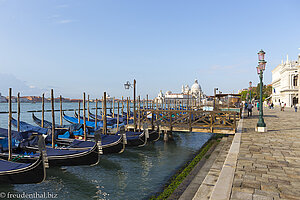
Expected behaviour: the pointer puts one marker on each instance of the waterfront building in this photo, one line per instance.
(285, 82)
(186, 94)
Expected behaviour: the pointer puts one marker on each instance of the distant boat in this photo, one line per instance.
(23, 173)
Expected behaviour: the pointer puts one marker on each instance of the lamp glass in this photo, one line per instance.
(258, 69)
(127, 85)
(261, 55)
(262, 64)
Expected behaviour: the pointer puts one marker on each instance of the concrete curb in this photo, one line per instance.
(222, 189)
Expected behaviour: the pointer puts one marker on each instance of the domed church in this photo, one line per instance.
(195, 92)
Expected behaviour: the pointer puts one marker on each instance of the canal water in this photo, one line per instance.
(137, 173)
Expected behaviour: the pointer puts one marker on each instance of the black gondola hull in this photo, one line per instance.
(90, 157)
(153, 136)
(136, 141)
(35, 173)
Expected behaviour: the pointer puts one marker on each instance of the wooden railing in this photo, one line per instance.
(189, 120)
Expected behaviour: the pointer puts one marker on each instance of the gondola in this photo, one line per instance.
(110, 143)
(133, 138)
(111, 122)
(91, 124)
(154, 135)
(23, 151)
(122, 119)
(24, 173)
(74, 129)
(62, 141)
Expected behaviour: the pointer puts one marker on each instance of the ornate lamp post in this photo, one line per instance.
(127, 86)
(261, 125)
(250, 87)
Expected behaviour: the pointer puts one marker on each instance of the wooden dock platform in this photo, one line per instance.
(223, 122)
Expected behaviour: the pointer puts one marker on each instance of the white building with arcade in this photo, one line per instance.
(285, 83)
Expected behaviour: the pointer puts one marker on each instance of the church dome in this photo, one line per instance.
(195, 87)
(168, 92)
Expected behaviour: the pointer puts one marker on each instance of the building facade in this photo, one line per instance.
(186, 94)
(285, 82)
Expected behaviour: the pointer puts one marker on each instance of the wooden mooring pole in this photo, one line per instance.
(19, 109)
(134, 106)
(43, 110)
(118, 115)
(104, 114)
(139, 113)
(88, 107)
(113, 107)
(9, 125)
(53, 119)
(84, 119)
(96, 114)
(147, 100)
(122, 106)
(61, 114)
(128, 110)
(102, 104)
(79, 112)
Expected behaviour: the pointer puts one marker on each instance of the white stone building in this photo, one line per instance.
(187, 93)
(285, 83)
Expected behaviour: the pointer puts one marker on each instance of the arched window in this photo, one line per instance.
(295, 81)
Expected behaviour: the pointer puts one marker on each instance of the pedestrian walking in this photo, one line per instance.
(295, 107)
(282, 106)
(250, 109)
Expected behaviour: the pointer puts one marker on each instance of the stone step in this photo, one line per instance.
(207, 185)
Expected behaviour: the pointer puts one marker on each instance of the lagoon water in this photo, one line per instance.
(137, 173)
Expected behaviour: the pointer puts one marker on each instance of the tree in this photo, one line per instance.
(267, 91)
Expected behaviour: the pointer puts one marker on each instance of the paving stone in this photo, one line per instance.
(241, 195)
(273, 158)
(237, 182)
(266, 193)
(251, 184)
(261, 197)
(244, 189)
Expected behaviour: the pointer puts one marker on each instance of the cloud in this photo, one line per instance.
(65, 21)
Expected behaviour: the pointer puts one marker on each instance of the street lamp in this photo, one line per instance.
(261, 125)
(127, 86)
(250, 87)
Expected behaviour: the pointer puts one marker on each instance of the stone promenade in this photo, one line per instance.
(268, 164)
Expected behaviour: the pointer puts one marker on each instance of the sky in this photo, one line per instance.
(92, 46)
